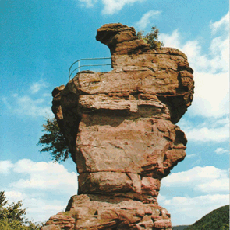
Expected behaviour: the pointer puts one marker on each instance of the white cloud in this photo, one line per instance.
(29, 104)
(40, 210)
(5, 166)
(191, 156)
(187, 210)
(43, 187)
(14, 196)
(211, 77)
(219, 49)
(89, 3)
(172, 40)
(146, 19)
(206, 179)
(110, 6)
(38, 207)
(210, 94)
(37, 86)
(206, 134)
(217, 185)
(200, 200)
(221, 151)
(44, 175)
(211, 70)
(223, 24)
(26, 105)
(214, 61)
(113, 6)
(211, 131)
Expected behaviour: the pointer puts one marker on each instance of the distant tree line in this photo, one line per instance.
(13, 216)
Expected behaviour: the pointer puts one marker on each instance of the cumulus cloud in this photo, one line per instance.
(210, 94)
(44, 175)
(146, 19)
(188, 201)
(44, 187)
(210, 69)
(207, 131)
(29, 104)
(113, 6)
(211, 77)
(206, 179)
(172, 40)
(26, 105)
(221, 151)
(38, 207)
(209, 189)
(5, 166)
(14, 196)
(187, 210)
(222, 25)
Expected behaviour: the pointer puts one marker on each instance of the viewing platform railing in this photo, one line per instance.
(79, 66)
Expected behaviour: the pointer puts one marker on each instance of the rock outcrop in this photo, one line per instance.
(121, 130)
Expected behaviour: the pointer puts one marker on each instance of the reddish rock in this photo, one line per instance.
(122, 135)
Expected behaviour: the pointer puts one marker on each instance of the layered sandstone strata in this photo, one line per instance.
(121, 130)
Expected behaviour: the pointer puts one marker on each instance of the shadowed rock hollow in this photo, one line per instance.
(121, 130)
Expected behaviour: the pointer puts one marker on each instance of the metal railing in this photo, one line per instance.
(85, 59)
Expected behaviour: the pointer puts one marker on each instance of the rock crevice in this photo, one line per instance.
(121, 130)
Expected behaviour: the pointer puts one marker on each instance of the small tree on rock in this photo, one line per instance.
(151, 38)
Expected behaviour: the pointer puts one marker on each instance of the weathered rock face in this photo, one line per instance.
(122, 134)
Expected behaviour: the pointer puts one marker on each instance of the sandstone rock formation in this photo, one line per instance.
(121, 130)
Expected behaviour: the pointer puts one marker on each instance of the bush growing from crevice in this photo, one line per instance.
(53, 141)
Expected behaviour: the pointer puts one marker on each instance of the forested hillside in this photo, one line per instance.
(180, 227)
(217, 219)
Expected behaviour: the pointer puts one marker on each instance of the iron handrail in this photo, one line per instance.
(84, 59)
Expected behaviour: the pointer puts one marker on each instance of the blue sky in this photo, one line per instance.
(41, 39)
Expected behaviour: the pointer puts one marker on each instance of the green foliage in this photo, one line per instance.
(12, 212)
(12, 216)
(54, 141)
(151, 38)
(180, 227)
(217, 219)
(2, 199)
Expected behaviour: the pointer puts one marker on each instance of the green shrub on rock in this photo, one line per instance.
(151, 38)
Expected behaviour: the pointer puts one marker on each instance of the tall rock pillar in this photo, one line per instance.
(121, 130)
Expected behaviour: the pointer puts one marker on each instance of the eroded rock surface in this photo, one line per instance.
(122, 134)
